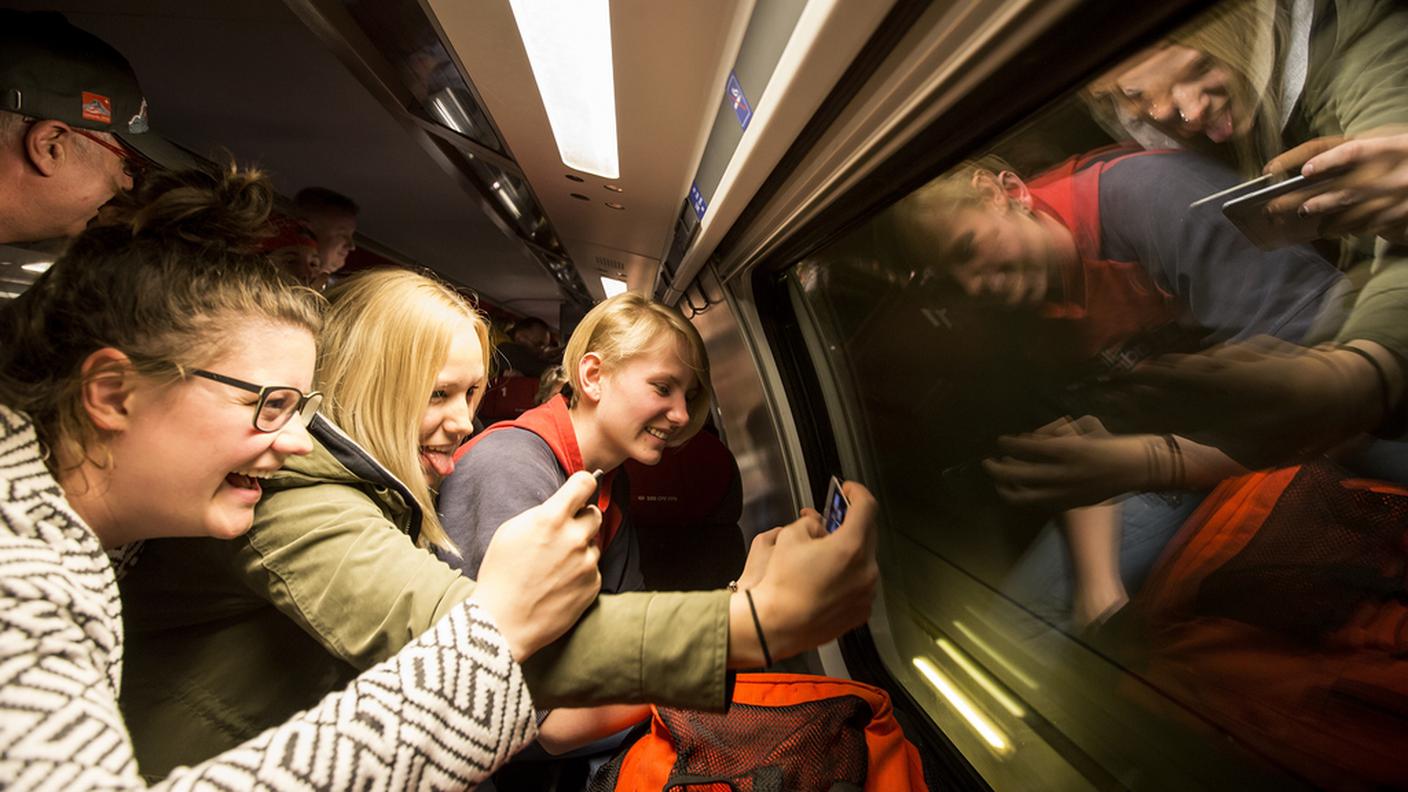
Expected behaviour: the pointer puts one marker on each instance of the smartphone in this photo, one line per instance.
(836, 506)
(1245, 205)
(1236, 191)
(595, 499)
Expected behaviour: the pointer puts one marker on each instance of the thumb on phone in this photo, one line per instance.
(861, 515)
(574, 495)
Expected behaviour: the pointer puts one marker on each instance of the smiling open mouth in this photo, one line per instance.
(248, 480)
(438, 460)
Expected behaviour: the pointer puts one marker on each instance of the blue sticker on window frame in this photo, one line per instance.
(696, 200)
(734, 96)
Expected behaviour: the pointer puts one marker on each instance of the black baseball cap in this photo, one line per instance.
(50, 69)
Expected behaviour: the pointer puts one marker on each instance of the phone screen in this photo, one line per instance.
(1245, 205)
(836, 505)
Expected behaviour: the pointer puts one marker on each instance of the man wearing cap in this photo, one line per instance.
(69, 105)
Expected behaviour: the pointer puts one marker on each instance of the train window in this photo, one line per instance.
(1074, 600)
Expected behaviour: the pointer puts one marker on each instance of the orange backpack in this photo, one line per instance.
(1280, 613)
(783, 732)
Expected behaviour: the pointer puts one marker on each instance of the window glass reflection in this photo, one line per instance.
(405, 36)
(1136, 409)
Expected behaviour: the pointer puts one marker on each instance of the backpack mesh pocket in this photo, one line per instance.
(1324, 549)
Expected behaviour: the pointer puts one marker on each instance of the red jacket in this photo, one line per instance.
(1112, 300)
(551, 422)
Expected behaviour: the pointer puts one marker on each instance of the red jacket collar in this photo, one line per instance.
(552, 422)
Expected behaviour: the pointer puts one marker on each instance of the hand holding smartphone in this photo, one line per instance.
(1246, 206)
(836, 506)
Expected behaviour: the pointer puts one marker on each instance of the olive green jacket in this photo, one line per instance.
(227, 638)
(1358, 83)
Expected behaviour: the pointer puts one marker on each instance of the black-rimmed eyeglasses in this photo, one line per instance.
(277, 403)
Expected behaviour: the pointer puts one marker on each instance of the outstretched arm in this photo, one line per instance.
(395, 726)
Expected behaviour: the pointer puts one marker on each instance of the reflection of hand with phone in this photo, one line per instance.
(1246, 205)
(1367, 193)
(1067, 464)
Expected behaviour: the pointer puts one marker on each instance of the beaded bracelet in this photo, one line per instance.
(1178, 468)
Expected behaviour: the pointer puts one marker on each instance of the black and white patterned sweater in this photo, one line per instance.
(442, 714)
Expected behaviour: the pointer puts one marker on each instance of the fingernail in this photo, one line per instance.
(1303, 211)
(1307, 169)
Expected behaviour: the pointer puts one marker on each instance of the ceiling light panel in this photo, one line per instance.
(569, 48)
(612, 286)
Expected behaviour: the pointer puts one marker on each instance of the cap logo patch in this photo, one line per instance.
(97, 107)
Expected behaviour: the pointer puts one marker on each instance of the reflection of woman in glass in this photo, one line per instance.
(1210, 86)
(1330, 88)
(1103, 257)
(1263, 77)
(1107, 241)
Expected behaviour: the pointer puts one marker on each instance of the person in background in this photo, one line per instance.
(66, 97)
(293, 249)
(333, 218)
(529, 349)
(550, 384)
(138, 399)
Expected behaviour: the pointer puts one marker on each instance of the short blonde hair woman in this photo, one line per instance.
(639, 377)
(630, 325)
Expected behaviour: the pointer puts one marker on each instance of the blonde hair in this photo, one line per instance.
(1241, 35)
(168, 286)
(627, 325)
(905, 231)
(384, 342)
